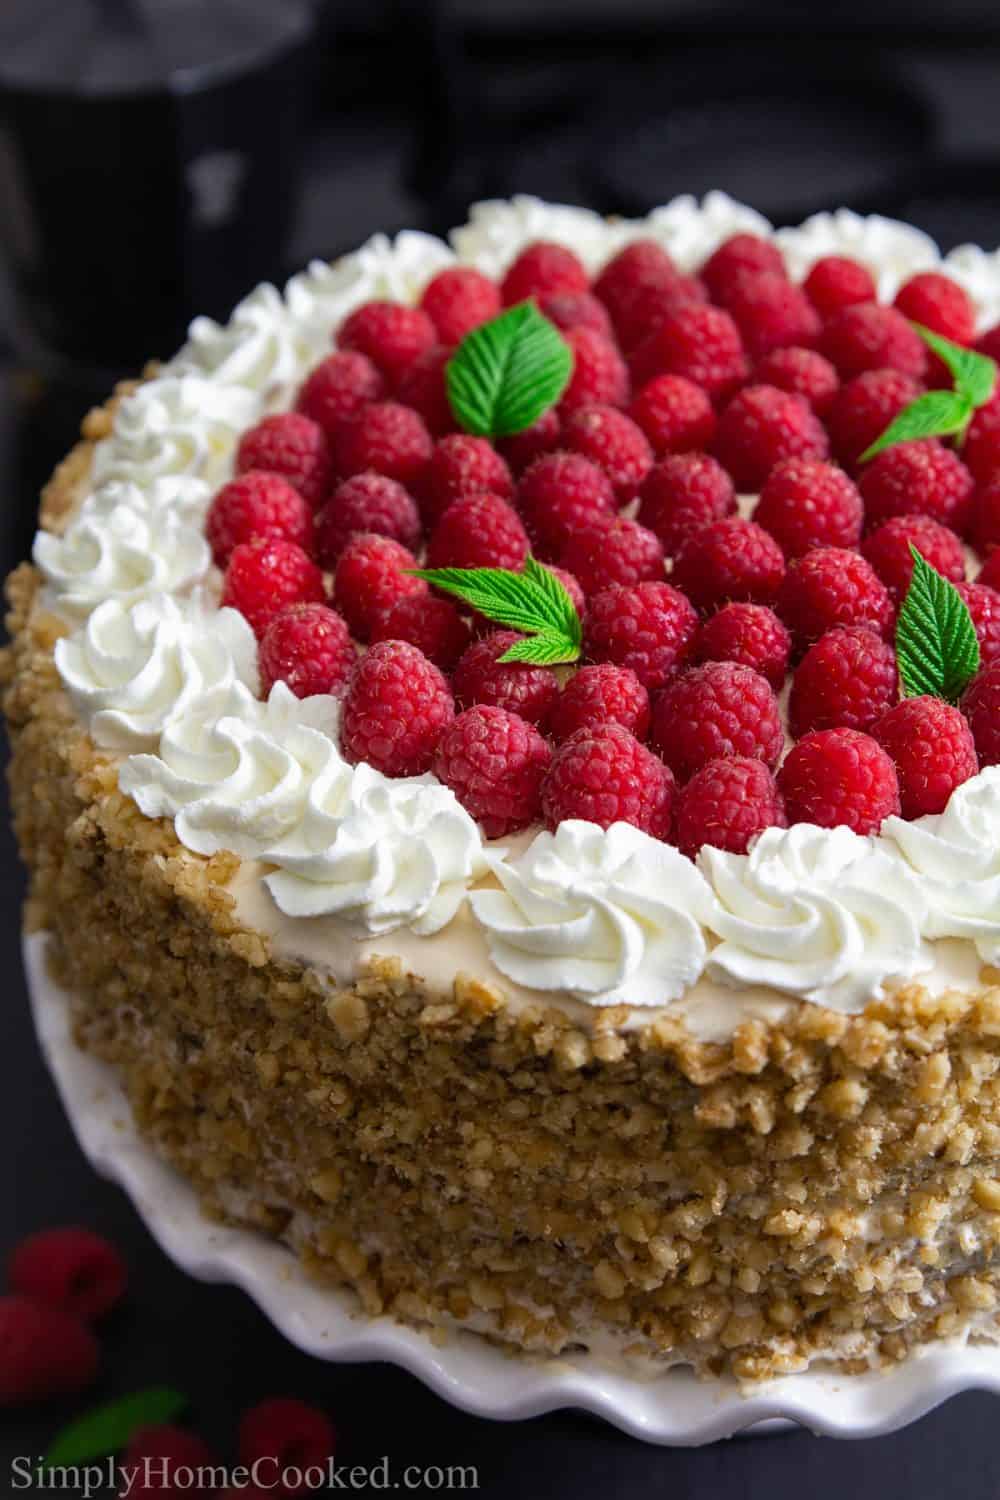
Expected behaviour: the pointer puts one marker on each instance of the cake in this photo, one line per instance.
(639, 995)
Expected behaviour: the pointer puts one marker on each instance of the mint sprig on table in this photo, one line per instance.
(507, 372)
(942, 413)
(532, 601)
(936, 646)
(108, 1429)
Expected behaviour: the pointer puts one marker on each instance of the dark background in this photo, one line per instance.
(417, 110)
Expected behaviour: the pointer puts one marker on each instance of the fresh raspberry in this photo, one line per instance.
(423, 387)
(726, 804)
(921, 478)
(739, 256)
(759, 428)
(560, 493)
(603, 775)
(309, 648)
(522, 448)
(338, 388)
(674, 414)
(866, 336)
(478, 531)
(612, 551)
(458, 300)
(494, 762)
(640, 287)
(265, 575)
(989, 342)
(599, 377)
(831, 586)
(888, 550)
(932, 749)
(568, 310)
(157, 1460)
(719, 708)
(940, 304)
(462, 465)
(542, 269)
(801, 372)
(44, 1352)
(771, 313)
(839, 776)
(750, 634)
(729, 559)
(981, 449)
(805, 503)
(572, 587)
(649, 628)
(983, 604)
(981, 706)
(366, 502)
(388, 438)
(282, 1434)
(432, 624)
(847, 677)
(700, 342)
(481, 677)
(836, 282)
(614, 443)
(372, 573)
(391, 334)
(989, 573)
(863, 409)
(602, 694)
(293, 446)
(72, 1269)
(984, 518)
(397, 706)
(257, 505)
(683, 493)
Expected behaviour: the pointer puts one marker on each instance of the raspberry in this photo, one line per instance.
(726, 804)
(847, 677)
(839, 776)
(863, 409)
(257, 505)
(649, 628)
(888, 550)
(771, 313)
(683, 493)
(390, 334)
(599, 377)
(293, 446)
(805, 503)
(866, 336)
(44, 1352)
(700, 342)
(568, 310)
(940, 304)
(433, 625)
(308, 647)
(719, 708)
(265, 575)
(389, 439)
(397, 706)
(282, 1434)
(729, 559)
(158, 1460)
(641, 286)
(540, 270)
(674, 414)
(481, 677)
(831, 586)
(921, 478)
(989, 342)
(750, 634)
(603, 775)
(614, 443)
(983, 604)
(560, 493)
(458, 300)
(462, 465)
(602, 694)
(522, 448)
(494, 762)
(612, 551)
(366, 502)
(981, 706)
(932, 749)
(989, 573)
(801, 372)
(423, 387)
(984, 519)
(759, 428)
(836, 282)
(372, 573)
(71, 1269)
(478, 531)
(338, 388)
(740, 255)
(981, 450)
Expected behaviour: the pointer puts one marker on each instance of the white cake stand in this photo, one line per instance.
(673, 1408)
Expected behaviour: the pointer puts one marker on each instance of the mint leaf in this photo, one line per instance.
(533, 602)
(504, 374)
(936, 645)
(107, 1429)
(934, 414)
(975, 375)
(542, 650)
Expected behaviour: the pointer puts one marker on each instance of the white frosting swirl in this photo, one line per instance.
(607, 915)
(179, 424)
(892, 251)
(262, 347)
(979, 272)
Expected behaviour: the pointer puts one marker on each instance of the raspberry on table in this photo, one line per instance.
(698, 341)
(887, 548)
(847, 677)
(920, 478)
(478, 531)
(726, 804)
(649, 628)
(807, 503)
(674, 414)
(462, 465)
(681, 494)
(372, 573)
(835, 776)
(391, 334)
(601, 694)
(718, 708)
(603, 775)
(801, 372)
(480, 677)
(293, 446)
(577, 310)
(542, 269)
(832, 586)
(388, 438)
(984, 518)
(73, 1269)
(265, 575)
(750, 634)
(932, 748)
(610, 551)
(494, 761)
(293, 1435)
(459, 299)
(989, 573)
(522, 448)
(983, 604)
(740, 255)
(309, 648)
(432, 624)
(940, 304)
(365, 502)
(759, 428)
(611, 440)
(731, 559)
(771, 313)
(835, 282)
(44, 1352)
(423, 388)
(864, 408)
(557, 495)
(866, 336)
(257, 504)
(981, 449)
(981, 707)
(396, 708)
(600, 375)
(337, 389)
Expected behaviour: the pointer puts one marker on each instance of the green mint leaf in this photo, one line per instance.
(533, 602)
(975, 375)
(935, 414)
(107, 1429)
(936, 645)
(505, 373)
(543, 650)
(558, 595)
